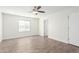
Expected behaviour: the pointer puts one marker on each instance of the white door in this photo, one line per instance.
(74, 29)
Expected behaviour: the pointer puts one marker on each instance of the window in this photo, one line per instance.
(24, 25)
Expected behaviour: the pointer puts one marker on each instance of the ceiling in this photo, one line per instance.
(27, 9)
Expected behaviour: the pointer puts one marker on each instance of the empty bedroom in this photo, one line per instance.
(39, 29)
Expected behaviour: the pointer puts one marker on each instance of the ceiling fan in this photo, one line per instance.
(36, 10)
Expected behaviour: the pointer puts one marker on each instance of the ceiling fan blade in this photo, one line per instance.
(38, 7)
(41, 11)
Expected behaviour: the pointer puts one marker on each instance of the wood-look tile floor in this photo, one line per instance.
(36, 44)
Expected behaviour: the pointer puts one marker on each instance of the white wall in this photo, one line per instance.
(11, 26)
(74, 29)
(58, 27)
(0, 26)
(41, 26)
(13, 11)
(58, 24)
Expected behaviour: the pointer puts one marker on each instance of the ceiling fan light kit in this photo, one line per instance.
(35, 12)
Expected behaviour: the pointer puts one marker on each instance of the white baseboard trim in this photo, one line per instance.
(57, 39)
(18, 37)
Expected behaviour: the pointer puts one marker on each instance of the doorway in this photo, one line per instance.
(46, 28)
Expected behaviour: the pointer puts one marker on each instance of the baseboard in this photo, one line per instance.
(57, 39)
(19, 37)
